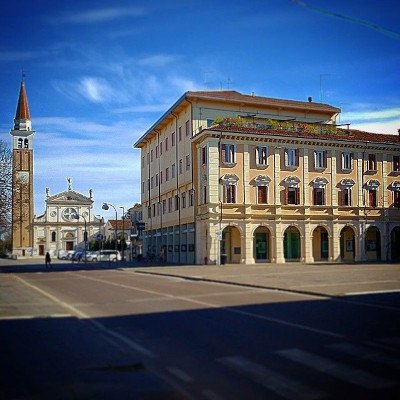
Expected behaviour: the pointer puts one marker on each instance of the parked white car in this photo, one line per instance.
(107, 255)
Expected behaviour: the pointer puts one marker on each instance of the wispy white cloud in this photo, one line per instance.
(99, 15)
(157, 60)
(96, 90)
(372, 115)
(386, 127)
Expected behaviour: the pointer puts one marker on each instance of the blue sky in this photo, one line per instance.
(99, 73)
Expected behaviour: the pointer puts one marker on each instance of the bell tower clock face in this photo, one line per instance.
(23, 176)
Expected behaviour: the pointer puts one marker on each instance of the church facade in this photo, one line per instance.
(68, 215)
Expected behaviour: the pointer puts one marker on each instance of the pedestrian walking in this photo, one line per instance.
(48, 260)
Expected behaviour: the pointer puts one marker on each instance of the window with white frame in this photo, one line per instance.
(173, 172)
(262, 155)
(204, 155)
(372, 162)
(291, 158)
(396, 164)
(228, 153)
(320, 159)
(347, 158)
(319, 186)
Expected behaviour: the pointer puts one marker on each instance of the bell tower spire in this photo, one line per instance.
(22, 169)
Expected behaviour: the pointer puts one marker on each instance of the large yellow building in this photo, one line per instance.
(244, 179)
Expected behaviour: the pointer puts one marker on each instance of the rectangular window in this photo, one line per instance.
(167, 174)
(346, 160)
(180, 133)
(320, 159)
(157, 180)
(396, 163)
(152, 182)
(228, 153)
(160, 148)
(191, 197)
(262, 195)
(161, 177)
(230, 194)
(204, 194)
(166, 144)
(204, 155)
(319, 196)
(154, 210)
(373, 198)
(346, 197)
(188, 162)
(142, 187)
(187, 132)
(396, 198)
(173, 171)
(173, 139)
(148, 158)
(371, 162)
(170, 205)
(148, 212)
(177, 202)
(184, 200)
(164, 206)
(151, 155)
(157, 151)
(180, 167)
(291, 158)
(292, 195)
(261, 155)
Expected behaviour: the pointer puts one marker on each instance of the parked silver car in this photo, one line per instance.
(107, 255)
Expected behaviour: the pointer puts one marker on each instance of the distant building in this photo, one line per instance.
(121, 228)
(227, 177)
(62, 225)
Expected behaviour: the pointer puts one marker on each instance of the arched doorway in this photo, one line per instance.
(69, 241)
(262, 244)
(231, 245)
(347, 244)
(395, 244)
(373, 244)
(320, 244)
(291, 244)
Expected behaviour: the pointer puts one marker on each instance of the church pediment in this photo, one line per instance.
(69, 196)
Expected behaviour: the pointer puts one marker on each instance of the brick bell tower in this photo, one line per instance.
(22, 182)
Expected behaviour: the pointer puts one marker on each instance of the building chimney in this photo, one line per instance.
(310, 99)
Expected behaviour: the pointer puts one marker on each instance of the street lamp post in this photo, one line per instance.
(84, 233)
(101, 222)
(106, 206)
(123, 234)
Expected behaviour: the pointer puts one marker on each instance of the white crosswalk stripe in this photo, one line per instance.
(276, 382)
(338, 370)
(365, 353)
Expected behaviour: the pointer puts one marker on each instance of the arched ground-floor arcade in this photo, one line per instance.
(296, 241)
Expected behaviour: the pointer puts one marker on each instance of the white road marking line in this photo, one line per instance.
(366, 353)
(338, 370)
(131, 344)
(210, 395)
(274, 381)
(228, 309)
(12, 317)
(182, 375)
(372, 292)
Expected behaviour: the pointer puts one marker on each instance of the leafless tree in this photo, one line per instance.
(5, 190)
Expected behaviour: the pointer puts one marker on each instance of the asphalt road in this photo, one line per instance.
(234, 332)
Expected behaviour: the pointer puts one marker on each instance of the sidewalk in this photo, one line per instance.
(325, 280)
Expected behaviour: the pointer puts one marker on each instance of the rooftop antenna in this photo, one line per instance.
(206, 83)
(229, 82)
(321, 94)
